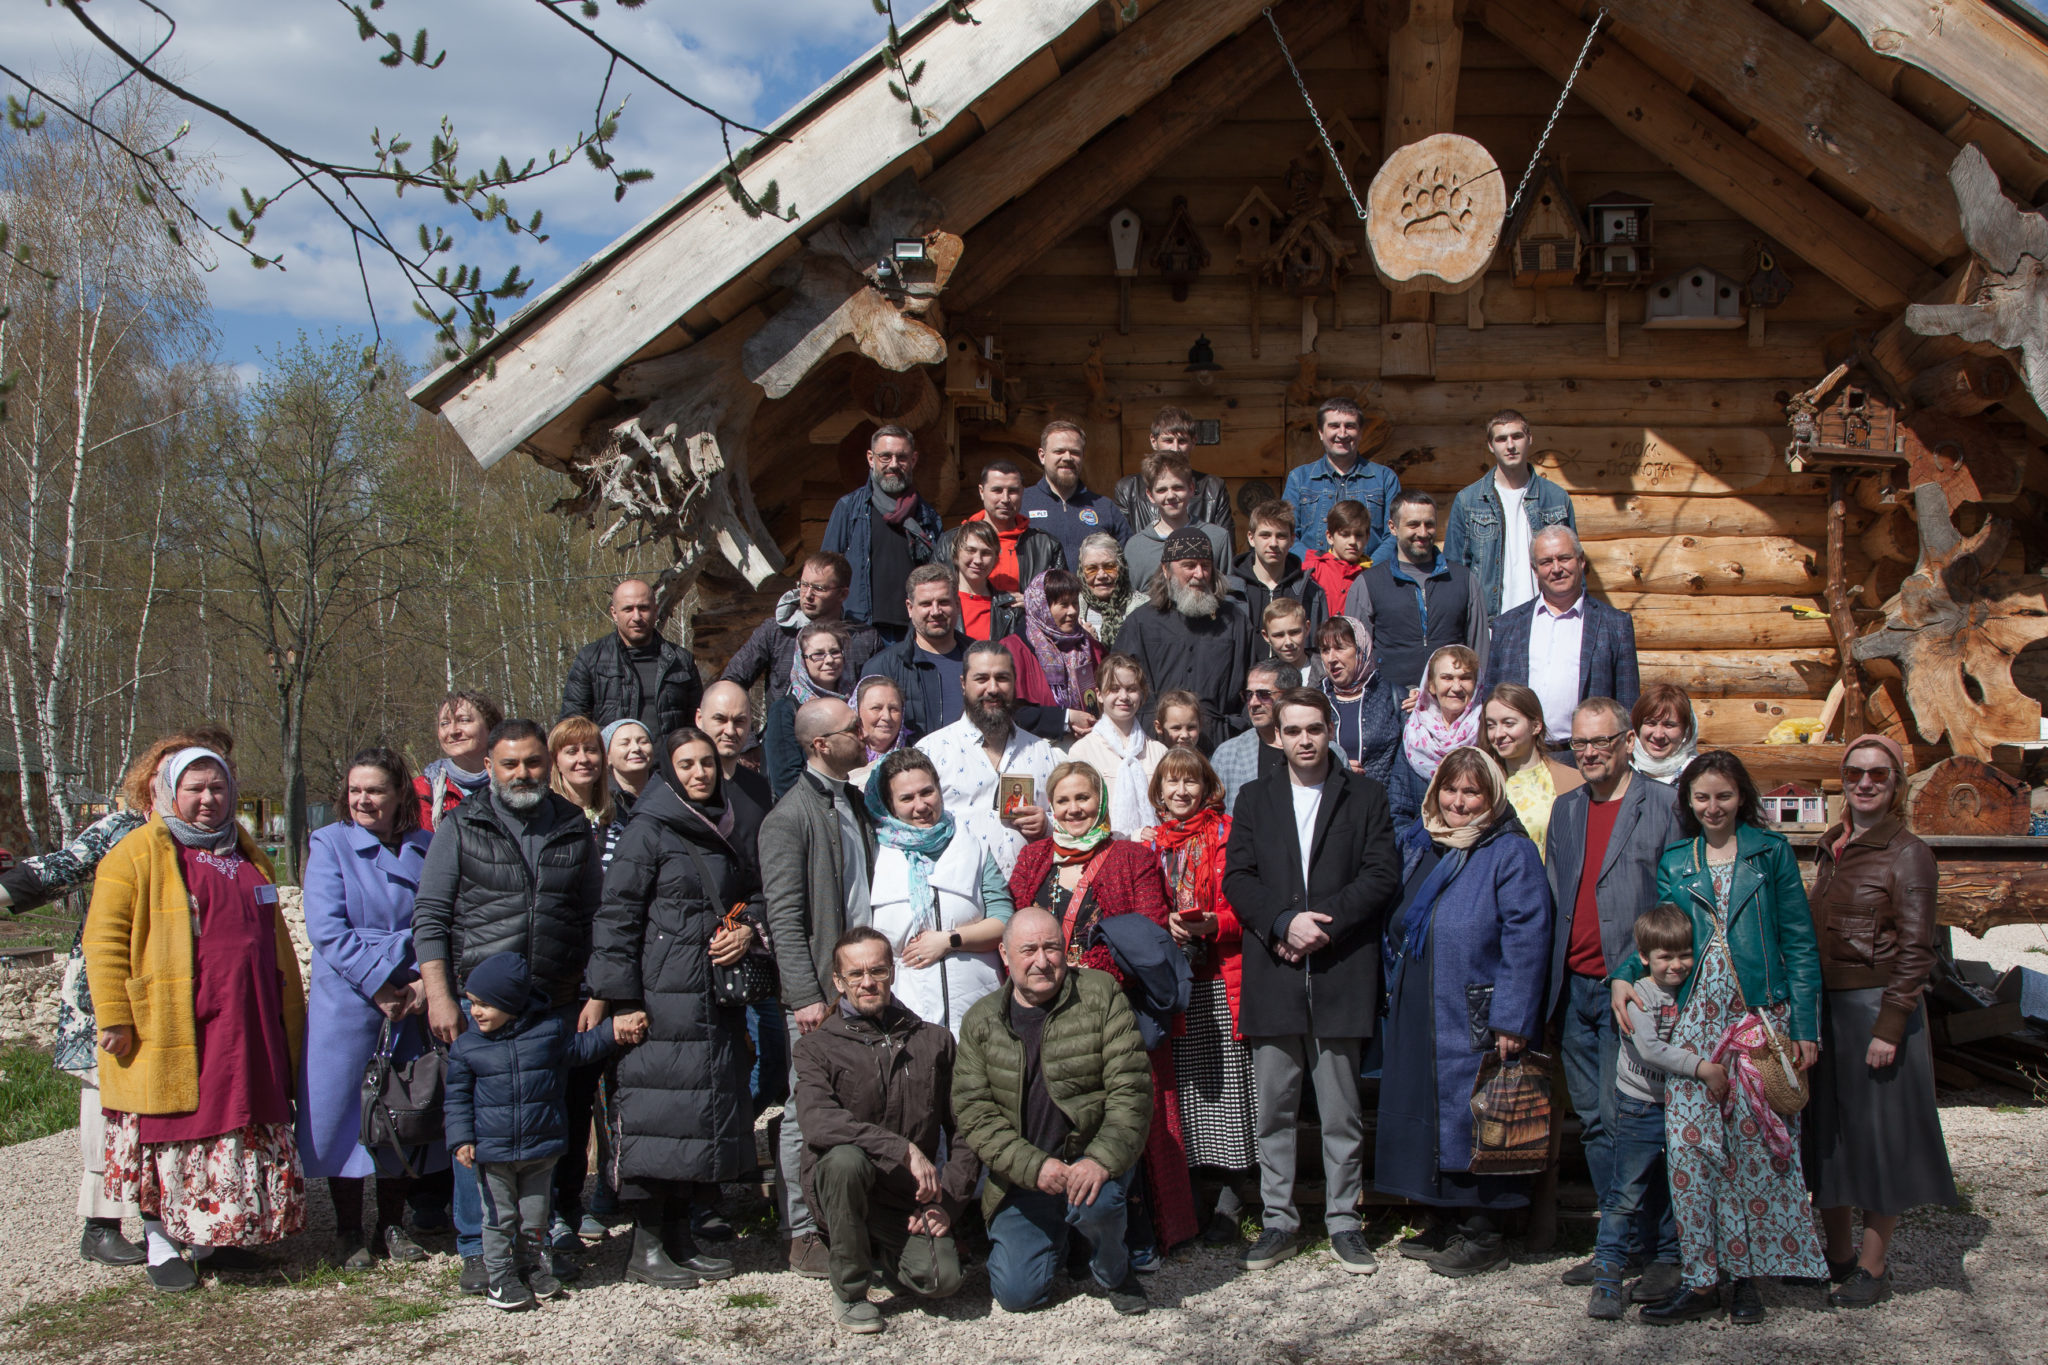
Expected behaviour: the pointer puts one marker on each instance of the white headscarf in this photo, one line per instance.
(219, 840)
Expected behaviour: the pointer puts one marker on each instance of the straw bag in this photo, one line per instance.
(1785, 1087)
(1511, 1114)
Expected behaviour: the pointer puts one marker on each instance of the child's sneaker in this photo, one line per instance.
(1607, 1302)
(541, 1280)
(511, 1296)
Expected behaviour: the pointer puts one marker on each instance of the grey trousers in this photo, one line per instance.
(1332, 1064)
(518, 1202)
(797, 1220)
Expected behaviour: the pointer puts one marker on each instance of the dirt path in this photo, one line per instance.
(1972, 1282)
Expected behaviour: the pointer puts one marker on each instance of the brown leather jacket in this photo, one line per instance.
(1873, 912)
(875, 1084)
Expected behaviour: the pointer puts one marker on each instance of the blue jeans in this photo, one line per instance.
(1641, 1198)
(768, 1084)
(1028, 1243)
(1591, 1048)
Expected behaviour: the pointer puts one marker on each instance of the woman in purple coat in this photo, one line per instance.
(360, 879)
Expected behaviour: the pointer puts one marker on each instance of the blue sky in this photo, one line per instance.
(516, 82)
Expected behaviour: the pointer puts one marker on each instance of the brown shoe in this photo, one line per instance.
(809, 1257)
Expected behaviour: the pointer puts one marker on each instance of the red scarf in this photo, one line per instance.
(1200, 840)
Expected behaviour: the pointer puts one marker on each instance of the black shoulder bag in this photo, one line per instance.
(402, 1103)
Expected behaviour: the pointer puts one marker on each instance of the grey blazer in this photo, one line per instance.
(1644, 827)
(803, 881)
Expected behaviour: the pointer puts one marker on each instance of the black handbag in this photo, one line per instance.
(753, 978)
(402, 1103)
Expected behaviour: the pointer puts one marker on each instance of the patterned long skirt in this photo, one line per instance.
(240, 1189)
(1741, 1210)
(1213, 1075)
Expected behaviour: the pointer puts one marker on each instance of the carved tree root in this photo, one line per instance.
(1954, 629)
(2011, 308)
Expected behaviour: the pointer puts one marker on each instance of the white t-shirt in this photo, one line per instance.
(1307, 801)
(1517, 575)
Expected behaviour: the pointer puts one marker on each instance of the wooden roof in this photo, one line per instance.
(1830, 126)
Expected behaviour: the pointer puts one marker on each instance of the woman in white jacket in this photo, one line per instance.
(938, 896)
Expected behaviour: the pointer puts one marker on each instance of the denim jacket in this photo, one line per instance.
(1313, 489)
(1477, 529)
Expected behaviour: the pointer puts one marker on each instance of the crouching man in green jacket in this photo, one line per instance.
(1053, 1092)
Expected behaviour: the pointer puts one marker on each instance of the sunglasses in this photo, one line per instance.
(1854, 777)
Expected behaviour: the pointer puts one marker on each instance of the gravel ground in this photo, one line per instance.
(1972, 1286)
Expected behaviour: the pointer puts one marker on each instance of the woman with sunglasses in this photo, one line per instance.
(1873, 1137)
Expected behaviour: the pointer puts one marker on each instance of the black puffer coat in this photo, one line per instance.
(680, 1109)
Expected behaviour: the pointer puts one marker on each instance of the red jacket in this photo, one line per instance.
(1332, 575)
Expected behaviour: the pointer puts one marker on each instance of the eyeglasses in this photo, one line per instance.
(1099, 571)
(1856, 777)
(1259, 694)
(818, 656)
(868, 974)
(1600, 742)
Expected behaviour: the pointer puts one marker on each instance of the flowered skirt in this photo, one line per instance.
(1741, 1208)
(241, 1189)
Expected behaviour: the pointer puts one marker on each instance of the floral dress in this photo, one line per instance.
(1532, 793)
(1741, 1210)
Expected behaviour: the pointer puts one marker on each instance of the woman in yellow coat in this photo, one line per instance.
(202, 1016)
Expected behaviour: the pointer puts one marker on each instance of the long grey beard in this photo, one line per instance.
(1192, 601)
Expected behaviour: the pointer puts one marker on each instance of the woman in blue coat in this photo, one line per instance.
(359, 884)
(1467, 953)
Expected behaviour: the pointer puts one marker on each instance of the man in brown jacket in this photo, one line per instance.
(875, 1084)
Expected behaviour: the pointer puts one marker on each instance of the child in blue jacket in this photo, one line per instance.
(504, 1115)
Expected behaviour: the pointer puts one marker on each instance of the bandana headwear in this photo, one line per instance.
(1890, 746)
(1187, 543)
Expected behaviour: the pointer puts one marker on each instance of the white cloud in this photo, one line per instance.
(516, 82)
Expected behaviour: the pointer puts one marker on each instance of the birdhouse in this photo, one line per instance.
(1546, 240)
(1847, 419)
(1253, 225)
(1180, 255)
(1695, 297)
(1124, 235)
(1792, 804)
(1618, 254)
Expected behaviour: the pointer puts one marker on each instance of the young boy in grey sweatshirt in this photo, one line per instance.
(1663, 936)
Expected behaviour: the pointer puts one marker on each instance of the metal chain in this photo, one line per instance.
(1563, 95)
(1316, 118)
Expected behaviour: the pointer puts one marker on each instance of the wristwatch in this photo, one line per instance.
(955, 936)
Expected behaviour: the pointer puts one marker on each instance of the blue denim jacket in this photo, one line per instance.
(1478, 530)
(1313, 489)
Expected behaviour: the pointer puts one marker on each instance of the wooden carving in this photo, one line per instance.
(851, 291)
(1967, 796)
(676, 471)
(2010, 309)
(1436, 208)
(1953, 630)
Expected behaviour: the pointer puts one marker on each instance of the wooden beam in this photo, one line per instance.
(571, 339)
(1423, 57)
(1104, 171)
(1756, 185)
(1993, 62)
(1115, 80)
(1849, 131)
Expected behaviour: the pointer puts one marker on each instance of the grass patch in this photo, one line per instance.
(36, 1099)
(751, 1299)
(2009, 1109)
(399, 1312)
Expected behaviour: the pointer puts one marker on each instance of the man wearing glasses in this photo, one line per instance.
(1256, 752)
(819, 595)
(1563, 643)
(1601, 854)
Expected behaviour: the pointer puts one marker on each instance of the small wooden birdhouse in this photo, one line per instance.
(1618, 254)
(1253, 224)
(1846, 420)
(1180, 255)
(1695, 297)
(1546, 239)
(1792, 804)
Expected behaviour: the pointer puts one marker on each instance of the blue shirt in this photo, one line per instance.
(1073, 520)
(1313, 489)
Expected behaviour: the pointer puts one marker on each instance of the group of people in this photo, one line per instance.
(1047, 900)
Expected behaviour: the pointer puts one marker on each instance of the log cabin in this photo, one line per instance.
(962, 264)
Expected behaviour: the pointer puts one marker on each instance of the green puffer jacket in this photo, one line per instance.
(1096, 1071)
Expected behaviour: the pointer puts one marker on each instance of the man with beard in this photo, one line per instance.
(1419, 600)
(1189, 638)
(633, 673)
(516, 872)
(1060, 503)
(985, 745)
(885, 530)
(819, 595)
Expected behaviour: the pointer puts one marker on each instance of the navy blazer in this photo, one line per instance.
(1607, 652)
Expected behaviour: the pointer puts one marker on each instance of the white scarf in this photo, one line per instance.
(1130, 807)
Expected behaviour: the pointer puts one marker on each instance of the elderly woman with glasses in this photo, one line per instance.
(1873, 1137)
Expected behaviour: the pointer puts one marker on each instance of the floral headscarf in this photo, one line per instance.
(1079, 848)
(860, 691)
(1427, 736)
(1065, 655)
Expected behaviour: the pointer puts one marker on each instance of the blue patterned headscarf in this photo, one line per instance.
(920, 846)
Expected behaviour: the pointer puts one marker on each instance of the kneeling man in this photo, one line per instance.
(875, 1086)
(1054, 1092)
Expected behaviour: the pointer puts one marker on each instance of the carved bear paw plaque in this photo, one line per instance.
(1435, 209)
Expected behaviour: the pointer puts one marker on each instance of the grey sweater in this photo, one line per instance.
(1647, 1053)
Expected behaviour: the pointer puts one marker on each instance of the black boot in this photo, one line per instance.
(682, 1249)
(1476, 1246)
(649, 1264)
(103, 1242)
